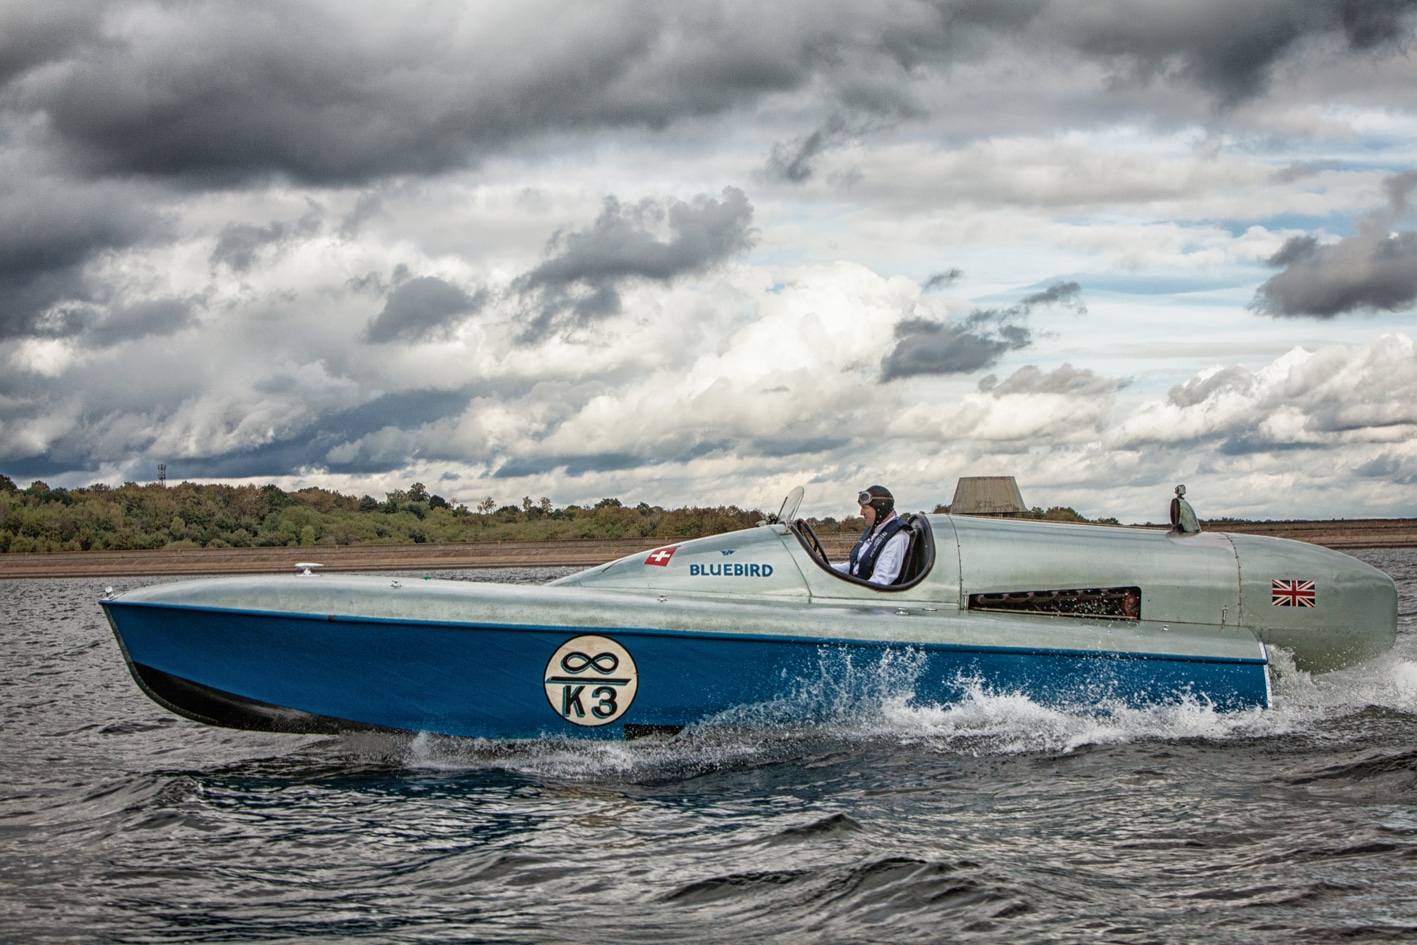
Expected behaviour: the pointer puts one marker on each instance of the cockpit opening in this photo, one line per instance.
(919, 553)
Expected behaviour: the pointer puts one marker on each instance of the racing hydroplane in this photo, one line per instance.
(755, 627)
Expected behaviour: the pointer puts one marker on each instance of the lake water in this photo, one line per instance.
(998, 820)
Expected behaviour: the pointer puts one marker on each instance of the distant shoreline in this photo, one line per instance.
(401, 557)
(1338, 534)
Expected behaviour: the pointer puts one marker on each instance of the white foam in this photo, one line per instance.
(1389, 681)
(865, 703)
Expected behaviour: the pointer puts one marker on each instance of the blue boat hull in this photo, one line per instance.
(324, 673)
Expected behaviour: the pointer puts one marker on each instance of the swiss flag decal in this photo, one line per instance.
(661, 557)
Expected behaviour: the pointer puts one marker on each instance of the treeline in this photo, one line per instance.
(190, 515)
(1056, 513)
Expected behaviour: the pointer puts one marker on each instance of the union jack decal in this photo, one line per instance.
(1292, 593)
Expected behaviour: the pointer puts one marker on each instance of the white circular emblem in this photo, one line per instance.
(591, 680)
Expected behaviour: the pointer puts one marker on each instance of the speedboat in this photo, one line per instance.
(755, 627)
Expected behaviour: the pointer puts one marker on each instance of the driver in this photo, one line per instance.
(880, 553)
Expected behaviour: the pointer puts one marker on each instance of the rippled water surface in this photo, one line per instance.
(998, 820)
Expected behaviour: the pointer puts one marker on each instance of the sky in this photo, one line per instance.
(700, 253)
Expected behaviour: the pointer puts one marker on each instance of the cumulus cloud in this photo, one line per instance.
(1066, 380)
(1323, 399)
(1375, 269)
(984, 336)
(422, 308)
(1199, 389)
(579, 281)
(1030, 409)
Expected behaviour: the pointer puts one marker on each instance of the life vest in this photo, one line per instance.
(869, 548)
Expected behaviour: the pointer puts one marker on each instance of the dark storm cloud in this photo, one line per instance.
(1066, 294)
(1252, 442)
(1372, 23)
(1387, 467)
(1366, 272)
(986, 335)
(1222, 47)
(239, 243)
(336, 93)
(1299, 170)
(423, 308)
(49, 231)
(926, 347)
(406, 411)
(571, 465)
(1375, 269)
(941, 280)
(38, 33)
(781, 446)
(141, 319)
(580, 278)
(791, 161)
(223, 91)
(402, 414)
(1226, 49)
(579, 464)
(217, 92)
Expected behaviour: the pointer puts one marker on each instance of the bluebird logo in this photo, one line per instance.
(739, 569)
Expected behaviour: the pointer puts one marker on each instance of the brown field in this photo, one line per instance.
(1340, 534)
(520, 554)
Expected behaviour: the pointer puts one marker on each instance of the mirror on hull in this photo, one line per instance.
(788, 511)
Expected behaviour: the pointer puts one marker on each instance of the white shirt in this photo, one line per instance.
(892, 557)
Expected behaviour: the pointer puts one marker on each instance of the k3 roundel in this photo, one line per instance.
(591, 680)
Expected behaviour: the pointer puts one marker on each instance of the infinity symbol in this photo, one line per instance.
(577, 662)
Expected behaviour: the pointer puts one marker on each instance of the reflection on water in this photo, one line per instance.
(994, 820)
